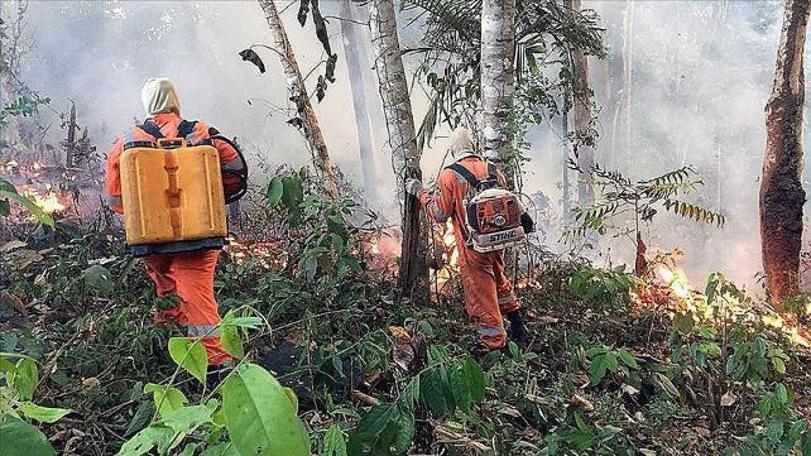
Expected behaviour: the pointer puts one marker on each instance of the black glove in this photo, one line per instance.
(527, 223)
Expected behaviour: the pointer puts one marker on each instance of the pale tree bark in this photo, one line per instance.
(497, 72)
(582, 122)
(781, 191)
(356, 62)
(298, 94)
(402, 139)
(628, 76)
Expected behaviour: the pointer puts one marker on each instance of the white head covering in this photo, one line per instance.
(159, 95)
(461, 144)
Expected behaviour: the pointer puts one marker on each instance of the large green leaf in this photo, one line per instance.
(166, 399)
(25, 378)
(143, 442)
(432, 391)
(274, 192)
(186, 419)
(260, 417)
(190, 355)
(41, 414)
(476, 379)
(18, 438)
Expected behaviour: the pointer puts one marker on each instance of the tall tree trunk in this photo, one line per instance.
(402, 139)
(582, 122)
(354, 50)
(781, 191)
(298, 94)
(628, 73)
(567, 204)
(497, 72)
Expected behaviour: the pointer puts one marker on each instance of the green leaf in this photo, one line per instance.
(186, 419)
(334, 443)
(221, 449)
(190, 355)
(231, 341)
(405, 431)
(260, 417)
(165, 399)
(476, 379)
(459, 387)
(141, 418)
(18, 438)
(432, 390)
(41, 414)
(371, 425)
(274, 192)
(29, 205)
(628, 359)
(779, 365)
(598, 369)
(143, 442)
(25, 378)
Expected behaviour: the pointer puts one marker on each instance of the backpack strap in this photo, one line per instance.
(465, 173)
(152, 129)
(186, 128)
(492, 170)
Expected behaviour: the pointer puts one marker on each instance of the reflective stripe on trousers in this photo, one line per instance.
(202, 330)
(490, 331)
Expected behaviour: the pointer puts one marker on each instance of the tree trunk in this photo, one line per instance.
(628, 74)
(298, 94)
(497, 72)
(354, 50)
(781, 191)
(582, 122)
(70, 143)
(402, 139)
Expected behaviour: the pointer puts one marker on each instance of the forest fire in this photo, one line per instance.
(50, 201)
(671, 285)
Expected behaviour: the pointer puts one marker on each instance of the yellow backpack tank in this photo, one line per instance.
(173, 197)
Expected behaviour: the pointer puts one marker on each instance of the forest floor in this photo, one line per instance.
(618, 364)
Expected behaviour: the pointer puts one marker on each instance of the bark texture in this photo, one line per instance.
(781, 192)
(402, 138)
(582, 122)
(356, 63)
(298, 94)
(497, 72)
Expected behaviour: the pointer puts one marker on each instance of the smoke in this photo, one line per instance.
(701, 75)
(100, 53)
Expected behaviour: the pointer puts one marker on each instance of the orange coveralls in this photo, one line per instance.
(488, 292)
(189, 275)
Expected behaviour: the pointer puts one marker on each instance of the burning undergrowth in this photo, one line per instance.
(619, 363)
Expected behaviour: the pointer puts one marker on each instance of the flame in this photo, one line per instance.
(678, 288)
(49, 201)
(450, 258)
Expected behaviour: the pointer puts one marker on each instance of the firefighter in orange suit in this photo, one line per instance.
(188, 275)
(488, 291)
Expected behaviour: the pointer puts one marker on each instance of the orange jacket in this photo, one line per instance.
(451, 191)
(168, 124)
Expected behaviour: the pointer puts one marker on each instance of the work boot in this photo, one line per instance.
(517, 332)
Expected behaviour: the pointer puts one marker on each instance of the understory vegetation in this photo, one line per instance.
(619, 364)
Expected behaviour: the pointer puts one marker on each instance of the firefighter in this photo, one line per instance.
(489, 294)
(189, 276)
